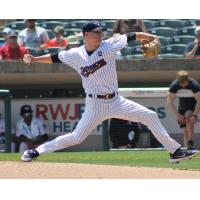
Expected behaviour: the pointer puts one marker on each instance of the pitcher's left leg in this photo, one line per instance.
(132, 111)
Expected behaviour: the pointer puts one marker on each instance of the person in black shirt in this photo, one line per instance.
(188, 108)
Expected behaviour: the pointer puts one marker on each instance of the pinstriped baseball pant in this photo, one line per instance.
(98, 110)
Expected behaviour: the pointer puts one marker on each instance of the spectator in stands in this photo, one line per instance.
(11, 50)
(193, 48)
(5, 33)
(123, 26)
(32, 36)
(58, 41)
(72, 42)
(31, 131)
(189, 107)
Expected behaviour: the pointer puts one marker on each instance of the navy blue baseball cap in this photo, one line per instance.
(93, 25)
(26, 109)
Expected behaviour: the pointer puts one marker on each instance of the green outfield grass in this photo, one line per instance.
(126, 158)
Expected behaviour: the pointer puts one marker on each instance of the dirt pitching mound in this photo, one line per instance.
(41, 170)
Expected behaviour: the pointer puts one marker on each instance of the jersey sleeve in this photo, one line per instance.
(173, 88)
(196, 86)
(117, 43)
(67, 57)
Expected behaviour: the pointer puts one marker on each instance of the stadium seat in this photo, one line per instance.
(137, 50)
(76, 24)
(19, 25)
(170, 56)
(49, 50)
(192, 22)
(163, 31)
(108, 23)
(133, 57)
(50, 24)
(71, 31)
(131, 51)
(133, 43)
(34, 52)
(186, 31)
(109, 32)
(127, 51)
(164, 41)
(148, 23)
(184, 39)
(173, 49)
(172, 23)
(50, 33)
(2, 41)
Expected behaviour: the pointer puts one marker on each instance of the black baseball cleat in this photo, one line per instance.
(28, 155)
(181, 154)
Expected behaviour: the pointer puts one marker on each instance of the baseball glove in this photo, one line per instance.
(150, 49)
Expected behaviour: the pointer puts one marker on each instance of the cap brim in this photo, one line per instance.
(100, 28)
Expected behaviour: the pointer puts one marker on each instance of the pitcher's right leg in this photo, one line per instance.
(92, 117)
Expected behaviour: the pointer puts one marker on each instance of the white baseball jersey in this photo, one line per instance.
(98, 71)
(99, 77)
(37, 128)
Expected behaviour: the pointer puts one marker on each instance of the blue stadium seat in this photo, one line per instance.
(192, 22)
(109, 32)
(183, 39)
(49, 50)
(170, 56)
(127, 51)
(148, 23)
(134, 57)
(173, 49)
(19, 25)
(133, 43)
(50, 33)
(108, 23)
(164, 41)
(71, 31)
(76, 24)
(186, 31)
(2, 41)
(137, 50)
(163, 31)
(34, 52)
(50, 24)
(172, 23)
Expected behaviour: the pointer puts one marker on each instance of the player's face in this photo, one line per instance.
(30, 24)
(27, 118)
(12, 41)
(95, 36)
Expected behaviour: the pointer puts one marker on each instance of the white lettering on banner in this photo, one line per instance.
(62, 115)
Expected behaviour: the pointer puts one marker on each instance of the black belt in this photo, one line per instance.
(107, 96)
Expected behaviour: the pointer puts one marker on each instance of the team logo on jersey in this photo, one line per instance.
(99, 53)
(86, 71)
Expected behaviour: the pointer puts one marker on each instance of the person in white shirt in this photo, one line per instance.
(32, 36)
(31, 131)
